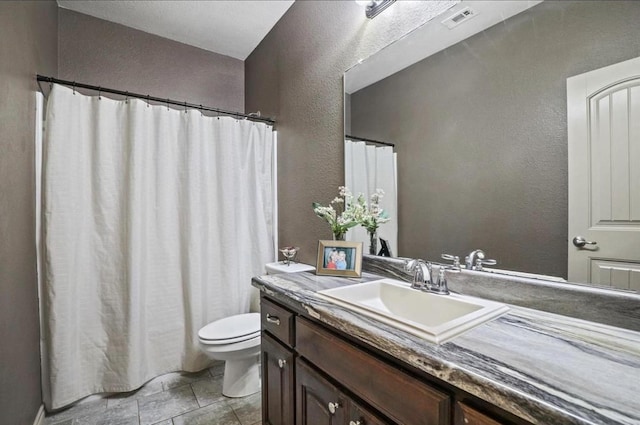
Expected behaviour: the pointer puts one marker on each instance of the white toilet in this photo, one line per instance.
(236, 340)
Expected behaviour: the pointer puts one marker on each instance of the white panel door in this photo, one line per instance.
(603, 108)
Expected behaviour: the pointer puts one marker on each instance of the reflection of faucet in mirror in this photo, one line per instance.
(475, 260)
(469, 260)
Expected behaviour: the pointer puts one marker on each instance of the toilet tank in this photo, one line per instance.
(280, 267)
(277, 268)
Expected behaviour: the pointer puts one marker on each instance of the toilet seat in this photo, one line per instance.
(233, 329)
(230, 340)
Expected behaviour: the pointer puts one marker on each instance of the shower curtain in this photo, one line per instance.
(368, 168)
(154, 221)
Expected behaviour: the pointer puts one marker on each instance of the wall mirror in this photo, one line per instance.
(479, 126)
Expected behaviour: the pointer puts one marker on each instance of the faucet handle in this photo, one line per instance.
(440, 286)
(480, 262)
(410, 265)
(454, 258)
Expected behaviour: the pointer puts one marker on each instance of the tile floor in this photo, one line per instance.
(172, 399)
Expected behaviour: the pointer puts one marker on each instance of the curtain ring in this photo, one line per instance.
(218, 114)
(99, 90)
(148, 100)
(126, 98)
(167, 103)
(185, 106)
(74, 88)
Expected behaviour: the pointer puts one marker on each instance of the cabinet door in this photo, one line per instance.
(318, 402)
(397, 395)
(278, 406)
(359, 415)
(467, 415)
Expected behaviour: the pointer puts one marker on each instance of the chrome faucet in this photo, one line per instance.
(423, 277)
(475, 260)
(470, 260)
(421, 273)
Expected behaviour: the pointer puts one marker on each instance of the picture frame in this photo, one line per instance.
(385, 250)
(339, 258)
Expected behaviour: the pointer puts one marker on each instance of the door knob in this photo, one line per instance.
(281, 363)
(355, 423)
(580, 242)
(333, 407)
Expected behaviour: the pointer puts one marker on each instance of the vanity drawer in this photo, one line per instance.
(393, 392)
(278, 321)
(467, 415)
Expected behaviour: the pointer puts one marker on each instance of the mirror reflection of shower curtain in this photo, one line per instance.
(367, 168)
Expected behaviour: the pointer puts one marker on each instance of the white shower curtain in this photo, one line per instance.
(154, 222)
(368, 168)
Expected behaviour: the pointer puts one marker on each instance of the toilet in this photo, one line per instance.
(236, 340)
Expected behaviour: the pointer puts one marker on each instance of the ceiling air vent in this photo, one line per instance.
(459, 17)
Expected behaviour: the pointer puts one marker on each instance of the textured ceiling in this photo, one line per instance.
(232, 28)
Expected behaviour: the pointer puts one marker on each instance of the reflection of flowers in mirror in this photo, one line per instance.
(372, 215)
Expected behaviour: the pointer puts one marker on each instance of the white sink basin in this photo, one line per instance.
(436, 318)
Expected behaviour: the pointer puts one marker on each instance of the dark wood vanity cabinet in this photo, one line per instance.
(278, 365)
(399, 396)
(312, 376)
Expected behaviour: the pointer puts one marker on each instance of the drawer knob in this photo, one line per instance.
(333, 407)
(355, 423)
(273, 319)
(282, 363)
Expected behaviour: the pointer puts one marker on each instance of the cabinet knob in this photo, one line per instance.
(355, 423)
(282, 363)
(273, 319)
(333, 407)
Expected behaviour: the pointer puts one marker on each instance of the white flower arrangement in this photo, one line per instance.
(340, 213)
(343, 213)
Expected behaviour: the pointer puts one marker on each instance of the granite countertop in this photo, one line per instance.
(542, 367)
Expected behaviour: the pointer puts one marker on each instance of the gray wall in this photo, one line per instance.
(28, 34)
(295, 74)
(106, 54)
(481, 132)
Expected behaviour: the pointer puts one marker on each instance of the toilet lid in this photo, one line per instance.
(232, 329)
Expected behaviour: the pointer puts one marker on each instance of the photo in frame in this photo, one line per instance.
(339, 258)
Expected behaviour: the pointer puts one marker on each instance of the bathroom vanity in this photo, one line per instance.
(324, 363)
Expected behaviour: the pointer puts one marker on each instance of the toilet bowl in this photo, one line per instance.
(236, 340)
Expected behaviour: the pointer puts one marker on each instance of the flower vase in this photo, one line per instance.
(338, 236)
(373, 243)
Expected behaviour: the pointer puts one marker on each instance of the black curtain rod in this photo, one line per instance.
(148, 98)
(362, 139)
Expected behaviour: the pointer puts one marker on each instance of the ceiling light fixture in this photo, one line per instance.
(374, 7)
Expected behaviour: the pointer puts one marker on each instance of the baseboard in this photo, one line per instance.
(40, 416)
